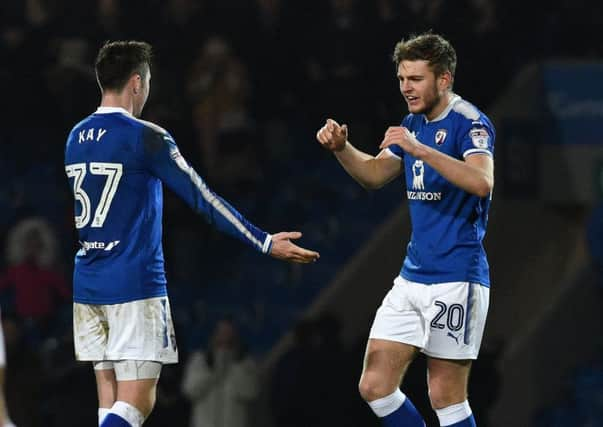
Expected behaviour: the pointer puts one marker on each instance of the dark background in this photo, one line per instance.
(243, 86)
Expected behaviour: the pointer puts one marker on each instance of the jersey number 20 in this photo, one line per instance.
(77, 171)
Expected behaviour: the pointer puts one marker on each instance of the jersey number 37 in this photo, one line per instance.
(77, 171)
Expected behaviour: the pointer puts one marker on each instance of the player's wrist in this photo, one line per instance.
(420, 151)
(342, 147)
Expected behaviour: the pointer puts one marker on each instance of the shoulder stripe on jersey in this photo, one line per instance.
(476, 151)
(223, 210)
(467, 109)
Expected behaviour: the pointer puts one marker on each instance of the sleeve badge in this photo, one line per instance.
(480, 138)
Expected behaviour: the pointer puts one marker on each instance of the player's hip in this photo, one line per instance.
(135, 330)
(444, 320)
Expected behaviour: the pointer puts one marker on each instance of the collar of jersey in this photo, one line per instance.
(109, 110)
(455, 98)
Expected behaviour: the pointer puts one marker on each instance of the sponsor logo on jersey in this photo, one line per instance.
(418, 170)
(105, 246)
(418, 183)
(479, 137)
(440, 136)
(424, 195)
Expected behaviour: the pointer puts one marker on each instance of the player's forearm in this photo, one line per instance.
(360, 166)
(465, 176)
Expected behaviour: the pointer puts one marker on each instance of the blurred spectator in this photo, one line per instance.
(32, 274)
(221, 382)
(71, 82)
(219, 88)
(109, 19)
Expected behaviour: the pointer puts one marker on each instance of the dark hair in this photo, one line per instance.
(433, 48)
(117, 61)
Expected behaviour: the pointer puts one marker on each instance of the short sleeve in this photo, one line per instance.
(477, 138)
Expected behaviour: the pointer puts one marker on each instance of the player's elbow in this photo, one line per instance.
(374, 178)
(371, 185)
(484, 186)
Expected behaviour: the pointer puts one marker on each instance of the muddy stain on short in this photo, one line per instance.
(90, 324)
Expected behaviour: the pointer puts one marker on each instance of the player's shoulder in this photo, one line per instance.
(465, 110)
(81, 124)
(468, 115)
(152, 127)
(153, 132)
(154, 137)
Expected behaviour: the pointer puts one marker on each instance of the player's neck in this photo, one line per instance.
(121, 100)
(441, 106)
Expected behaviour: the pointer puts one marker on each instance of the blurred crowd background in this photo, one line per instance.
(242, 85)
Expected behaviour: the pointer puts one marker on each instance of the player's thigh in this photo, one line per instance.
(141, 330)
(447, 381)
(90, 332)
(385, 363)
(398, 318)
(455, 317)
(106, 383)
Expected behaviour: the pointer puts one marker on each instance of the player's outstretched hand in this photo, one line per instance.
(283, 248)
(332, 135)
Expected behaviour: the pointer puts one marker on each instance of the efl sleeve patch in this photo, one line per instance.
(480, 137)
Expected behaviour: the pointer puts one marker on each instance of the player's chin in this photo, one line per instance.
(415, 107)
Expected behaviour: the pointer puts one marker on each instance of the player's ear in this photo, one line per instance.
(136, 82)
(445, 80)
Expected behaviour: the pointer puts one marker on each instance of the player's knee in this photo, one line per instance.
(442, 396)
(371, 387)
(138, 383)
(147, 405)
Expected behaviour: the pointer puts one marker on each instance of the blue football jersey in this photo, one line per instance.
(448, 224)
(116, 164)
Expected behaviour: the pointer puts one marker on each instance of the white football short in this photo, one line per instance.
(444, 320)
(137, 330)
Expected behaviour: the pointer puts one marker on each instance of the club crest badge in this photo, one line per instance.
(440, 136)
